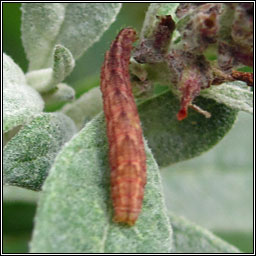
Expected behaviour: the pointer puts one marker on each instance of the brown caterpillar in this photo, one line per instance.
(126, 148)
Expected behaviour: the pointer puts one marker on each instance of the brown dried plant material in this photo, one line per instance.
(163, 33)
(153, 48)
(126, 148)
(243, 76)
(190, 74)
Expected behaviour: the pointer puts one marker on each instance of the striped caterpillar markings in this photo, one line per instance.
(126, 148)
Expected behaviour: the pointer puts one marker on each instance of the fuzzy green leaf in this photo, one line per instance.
(75, 210)
(29, 155)
(20, 102)
(41, 24)
(39, 79)
(171, 140)
(85, 108)
(76, 26)
(236, 95)
(190, 238)
(63, 93)
(63, 64)
(46, 80)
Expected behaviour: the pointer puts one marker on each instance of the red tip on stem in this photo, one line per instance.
(182, 114)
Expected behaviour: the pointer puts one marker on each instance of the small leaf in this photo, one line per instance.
(236, 95)
(190, 238)
(63, 64)
(63, 93)
(39, 79)
(29, 155)
(171, 140)
(155, 10)
(20, 102)
(46, 80)
(76, 26)
(85, 108)
(75, 210)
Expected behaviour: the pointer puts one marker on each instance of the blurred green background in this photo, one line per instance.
(214, 190)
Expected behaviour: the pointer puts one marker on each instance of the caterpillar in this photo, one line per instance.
(127, 156)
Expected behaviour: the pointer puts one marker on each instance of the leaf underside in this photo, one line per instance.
(171, 140)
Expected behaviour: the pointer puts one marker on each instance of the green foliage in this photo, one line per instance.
(45, 80)
(76, 26)
(20, 102)
(63, 64)
(74, 213)
(85, 108)
(29, 155)
(161, 128)
(50, 51)
(89, 223)
(172, 141)
(62, 94)
(235, 95)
